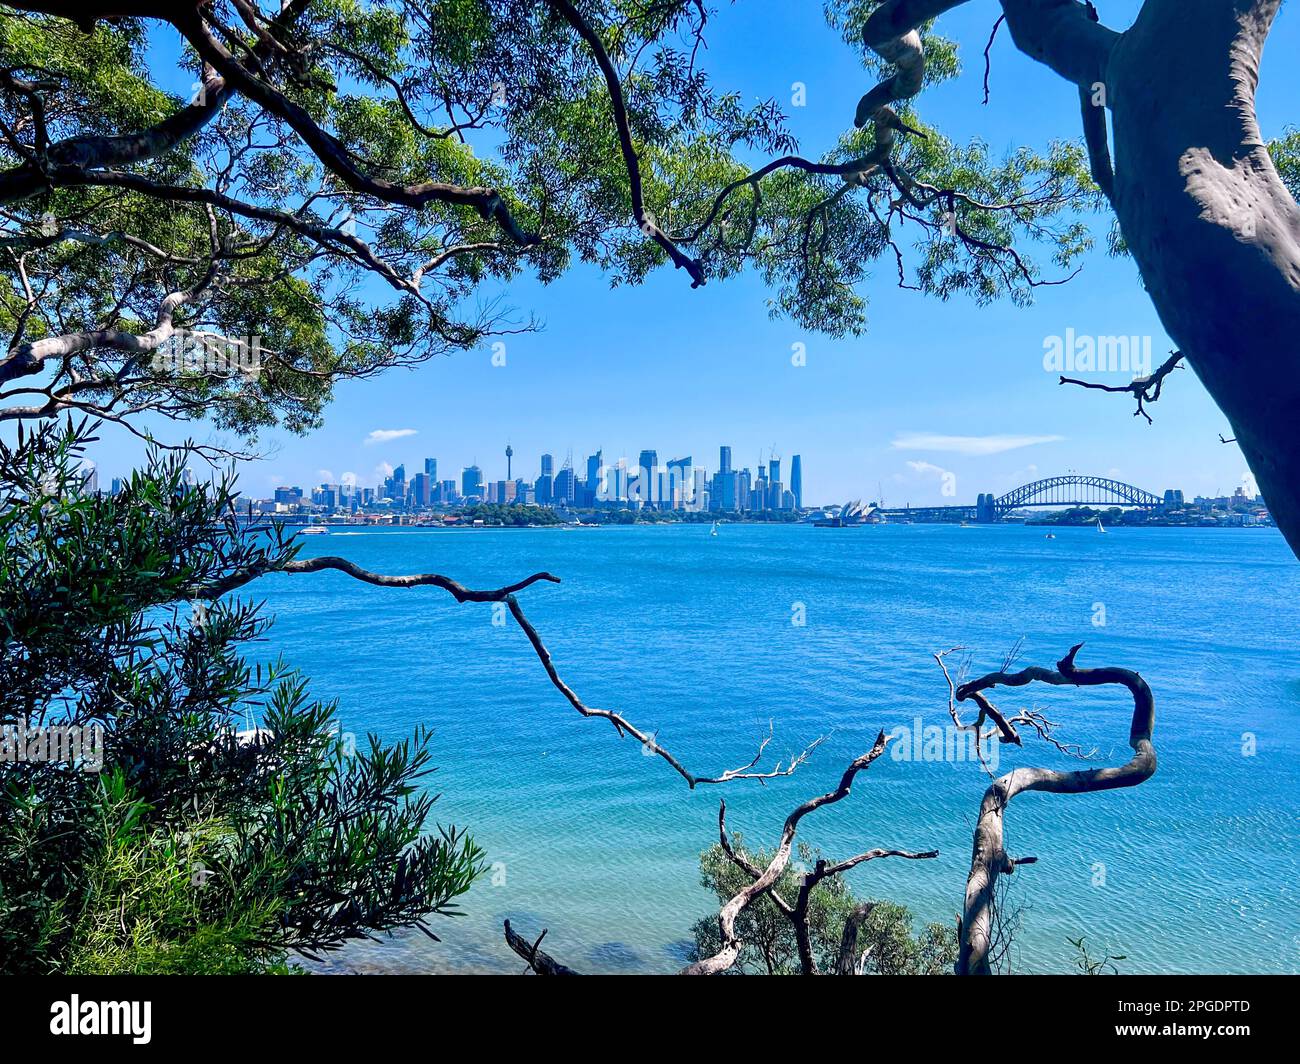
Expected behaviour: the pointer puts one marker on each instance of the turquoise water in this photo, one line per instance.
(1195, 870)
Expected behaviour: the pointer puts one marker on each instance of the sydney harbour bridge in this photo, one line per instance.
(1072, 489)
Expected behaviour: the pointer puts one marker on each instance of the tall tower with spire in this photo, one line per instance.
(510, 453)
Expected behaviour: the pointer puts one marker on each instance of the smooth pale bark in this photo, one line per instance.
(989, 858)
(1208, 220)
(1213, 229)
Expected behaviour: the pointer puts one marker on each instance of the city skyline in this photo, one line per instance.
(586, 467)
(674, 483)
(891, 492)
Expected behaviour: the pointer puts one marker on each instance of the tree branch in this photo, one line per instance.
(989, 858)
(644, 220)
(507, 595)
(1062, 35)
(730, 948)
(541, 963)
(1144, 389)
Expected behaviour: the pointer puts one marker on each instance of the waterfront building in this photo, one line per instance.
(796, 481)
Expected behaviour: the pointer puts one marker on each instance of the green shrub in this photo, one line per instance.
(312, 839)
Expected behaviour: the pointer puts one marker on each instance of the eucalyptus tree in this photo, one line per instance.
(328, 182)
(436, 146)
(433, 147)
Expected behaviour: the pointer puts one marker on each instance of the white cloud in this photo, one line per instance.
(927, 468)
(326, 476)
(387, 435)
(969, 445)
(350, 479)
(383, 470)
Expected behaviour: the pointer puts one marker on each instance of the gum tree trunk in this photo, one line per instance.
(1212, 227)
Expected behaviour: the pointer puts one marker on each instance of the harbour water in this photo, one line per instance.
(699, 639)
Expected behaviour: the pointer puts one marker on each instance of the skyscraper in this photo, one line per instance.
(724, 459)
(564, 485)
(471, 483)
(548, 465)
(796, 481)
(431, 467)
(648, 464)
(681, 485)
(542, 487)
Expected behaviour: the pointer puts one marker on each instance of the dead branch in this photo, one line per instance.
(730, 949)
(1144, 389)
(988, 62)
(989, 858)
(823, 870)
(540, 962)
(764, 880)
(506, 594)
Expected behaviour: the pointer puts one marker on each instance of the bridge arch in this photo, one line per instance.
(1075, 489)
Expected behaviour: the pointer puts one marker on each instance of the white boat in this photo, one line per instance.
(714, 530)
(1100, 526)
(1050, 535)
(315, 530)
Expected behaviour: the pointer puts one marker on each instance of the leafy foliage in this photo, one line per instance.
(296, 212)
(312, 838)
(1086, 964)
(512, 516)
(767, 935)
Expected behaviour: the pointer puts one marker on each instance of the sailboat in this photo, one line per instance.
(1100, 526)
(714, 530)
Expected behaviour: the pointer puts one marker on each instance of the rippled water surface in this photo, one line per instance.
(692, 636)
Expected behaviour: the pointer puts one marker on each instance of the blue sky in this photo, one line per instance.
(681, 371)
